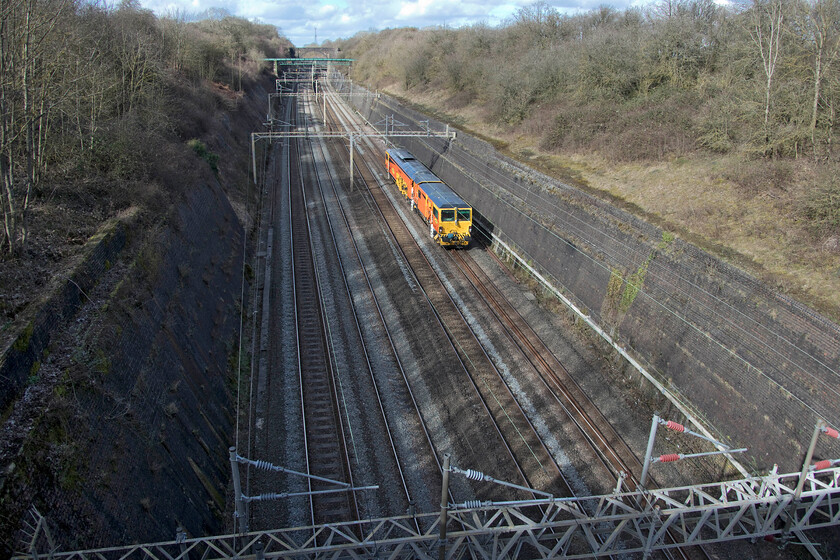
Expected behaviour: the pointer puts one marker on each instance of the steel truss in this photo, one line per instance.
(622, 522)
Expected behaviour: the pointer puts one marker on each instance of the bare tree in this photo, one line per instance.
(175, 36)
(766, 19)
(817, 24)
(27, 70)
(667, 8)
(537, 21)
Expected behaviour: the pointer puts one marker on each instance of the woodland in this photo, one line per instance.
(100, 108)
(85, 92)
(118, 127)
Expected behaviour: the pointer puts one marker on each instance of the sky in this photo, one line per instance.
(302, 20)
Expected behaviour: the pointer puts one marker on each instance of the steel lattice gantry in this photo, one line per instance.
(596, 526)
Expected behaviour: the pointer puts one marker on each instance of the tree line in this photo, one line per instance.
(82, 84)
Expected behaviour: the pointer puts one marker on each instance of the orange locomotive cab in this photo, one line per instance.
(448, 215)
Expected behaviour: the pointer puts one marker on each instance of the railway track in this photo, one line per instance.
(604, 440)
(325, 445)
(321, 410)
(533, 463)
(610, 448)
(593, 426)
(320, 190)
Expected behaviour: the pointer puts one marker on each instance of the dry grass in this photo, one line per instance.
(692, 196)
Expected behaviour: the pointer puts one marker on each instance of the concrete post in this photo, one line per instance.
(653, 426)
(808, 456)
(241, 514)
(444, 508)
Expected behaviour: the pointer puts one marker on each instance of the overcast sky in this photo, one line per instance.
(333, 19)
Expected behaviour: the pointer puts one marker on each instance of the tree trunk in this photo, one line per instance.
(817, 83)
(767, 37)
(7, 114)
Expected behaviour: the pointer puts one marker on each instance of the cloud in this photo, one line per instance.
(334, 19)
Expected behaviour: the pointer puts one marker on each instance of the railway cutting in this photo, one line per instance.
(391, 338)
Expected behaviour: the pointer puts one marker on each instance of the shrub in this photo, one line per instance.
(760, 176)
(200, 149)
(820, 207)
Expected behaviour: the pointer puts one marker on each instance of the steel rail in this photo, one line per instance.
(319, 147)
(595, 447)
(523, 336)
(371, 206)
(314, 367)
(297, 328)
(404, 238)
(533, 348)
(458, 347)
(391, 342)
(388, 333)
(505, 384)
(330, 358)
(619, 463)
(675, 398)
